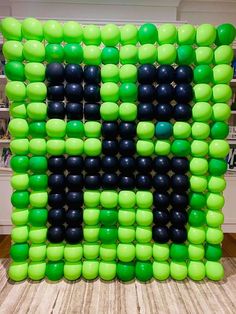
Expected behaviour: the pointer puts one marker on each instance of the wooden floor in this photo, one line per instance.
(115, 297)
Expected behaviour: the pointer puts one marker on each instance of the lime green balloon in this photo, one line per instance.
(198, 166)
(221, 112)
(20, 234)
(110, 35)
(11, 28)
(129, 34)
(56, 128)
(167, 34)
(126, 217)
(91, 35)
(196, 252)
(18, 110)
(221, 93)
(219, 130)
(199, 148)
(53, 32)
(73, 252)
(128, 111)
(203, 74)
(203, 55)
(107, 270)
(36, 91)
(166, 54)
(91, 216)
(214, 235)
(214, 218)
(145, 147)
(110, 73)
(196, 270)
(74, 146)
(198, 183)
(222, 74)
(36, 270)
(216, 184)
(225, 34)
(92, 55)
(39, 199)
(72, 32)
(160, 252)
(32, 29)
(126, 235)
(110, 55)
(15, 91)
(147, 34)
(186, 34)
(37, 252)
(92, 147)
(37, 146)
(92, 129)
(215, 201)
(20, 181)
(144, 199)
(214, 270)
(126, 252)
(206, 35)
(19, 217)
(109, 92)
(13, 50)
(37, 111)
(18, 271)
(144, 217)
(143, 251)
(185, 55)
(35, 72)
(200, 130)
(145, 130)
(196, 235)
(73, 53)
(202, 92)
(218, 148)
(109, 199)
(18, 128)
(178, 270)
(34, 51)
(161, 270)
(56, 147)
(201, 112)
(223, 54)
(129, 54)
(55, 251)
(90, 269)
(54, 53)
(181, 130)
(128, 73)
(180, 148)
(109, 111)
(147, 53)
(15, 71)
(162, 147)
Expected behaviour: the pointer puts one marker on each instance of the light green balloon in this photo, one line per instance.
(199, 148)
(167, 34)
(20, 181)
(204, 55)
(36, 91)
(145, 147)
(20, 146)
(196, 270)
(72, 32)
(196, 252)
(223, 54)
(214, 270)
(202, 92)
(36, 270)
(110, 35)
(161, 270)
(18, 128)
(186, 34)
(32, 29)
(198, 166)
(214, 235)
(214, 218)
(110, 73)
(221, 112)
(196, 235)
(53, 32)
(91, 35)
(166, 54)
(35, 72)
(206, 35)
(34, 51)
(198, 183)
(215, 201)
(11, 28)
(147, 53)
(178, 270)
(128, 54)
(18, 271)
(222, 74)
(92, 55)
(15, 91)
(37, 111)
(218, 148)
(181, 130)
(201, 112)
(129, 34)
(128, 73)
(216, 184)
(13, 50)
(57, 147)
(200, 130)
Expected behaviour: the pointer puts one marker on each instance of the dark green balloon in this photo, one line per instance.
(203, 74)
(55, 270)
(219, 130)
(147, 34)
(196, 217)
(38, 164)
(38, 217)
(225, 34)
(213, 252)
(143, 271)
(108, 234)
(197, 200)
(180, 148)
(185, 55)
(179, 252)
(19, 252)
(15, 71)
(217, 167)
(110, 55)
(37, 129)
(125, 271)
(54, 53)
(38, 182)
(20, 199)
(108, 217)
(19, 163)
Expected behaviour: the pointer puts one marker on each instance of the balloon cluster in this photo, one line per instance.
(118, 142)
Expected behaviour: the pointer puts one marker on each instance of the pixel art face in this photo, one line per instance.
(119, 146)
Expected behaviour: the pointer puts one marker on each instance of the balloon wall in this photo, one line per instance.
(119, 146)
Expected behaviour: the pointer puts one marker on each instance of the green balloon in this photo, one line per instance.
(196, 217)
(11, 28)
(128, 54)
(109, 92)
(186, 34)
(181, 130)
(35, 72)
(197, 200)
(125, 271)
(108, 235)
(53, 32)
(38, 164)
(202, 92)
(221, 112)
(32, 29)
(92, 129)
(147, 34)
(38, 182)
(178, 252)
(225, 34)
(73, 53)
(91, 35)
(203, 55)
(196, 270)
(222, 74)
(19, 164)
(223, 55)
(18, 128)
(185, 55)
(18, 271)
(167, 34)
(178, 270)
(166, 54)
(19, 252)
(145, 147)
(162, 147)
(36, 91)
(200, 130)
(54, 53)
(92, 55)
(161, 270)
(109, 111)
(75, 128)
(110, 55)
(34, 51)
(143, 271)
(217, 167)
(218, 148)
(214, 270)
(147, 53)
(13, 50)
(128, 73)
(20, 146)
(108, 217)
(38, 217)
(128, 92)
(18, 110)
(221, 93)
(110, 35)
(20, 199)
(213, 252)
(206, 35)
(15, 71)
(37, 111)
(201, 112)
(198, 166)
(72, 32)
(203, 74)
(110, 73)
(219, 130)
(107, 270)
(180, 148)
(15, 91)
(36, 270)
(129, 34)
(55, 270)
(128, 112)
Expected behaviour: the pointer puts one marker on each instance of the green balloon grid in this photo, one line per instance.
(29, 46)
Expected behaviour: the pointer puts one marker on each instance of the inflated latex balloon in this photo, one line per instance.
(36, 91)
(34, 51)
(11, 28)
(13, 50)
(223, 54)
(167, 34)
(110, 55)
(35, 72)
(54, 53)
(72, 32)
(15, 71)
(92, 35)
(129, 34)
(147, 34)
(218, 148)
(204, 55)
(32, 29)
(196, 270)
(202, 92)
(110, 73)
(18, 128)
(147, 53)
(73, 53)
(166, 54)
(221, 93)
(225, 34)
(222, 74)
(110, 35)
(185, 55)
(186, 34)
(18, 110)
(129, 54)
(53, 32)
(203, 74)
(16, 91)
(201, 112)
(18, 271)
(92, 55)
(206, 35)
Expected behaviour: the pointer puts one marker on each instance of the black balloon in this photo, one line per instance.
(109, 130)
(126, 182)
(74, 199)
(74, 182)
(109, 164)
(56, 92)
(144, 164)
(178, 235)
(56, 110)
(110, 181)
(74, 111)
(74, 235)
(182, 112)
(74, 92)
(183, 93)
(56, 182)
(92, 74)
(127, 165)
(145, 111)
(164, 93)
(56, 200)
(183, 74)
(92, 165)
(57, 164)
(161, 182)
(74, 217)
(92, 93)
(180, 183)
(180, 165)
(163, 112)
(161, 217)
(55, 72)
(161, 200)
(179, 200)
(92, 182)
(160, 234)
(92, 111)
(165, 74)
(161, 164)
(110, 147)
(127, 130)
(56, 216)
(127, 147)
(73, 73)
(143, 182)
(74, 164)
(146, 93)
(146, 74)
(178, 218)
(56, 234)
